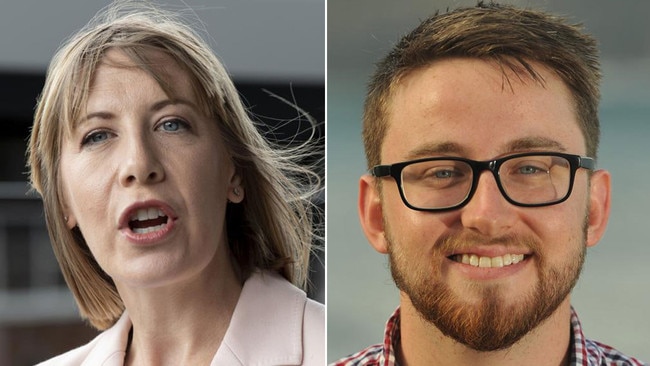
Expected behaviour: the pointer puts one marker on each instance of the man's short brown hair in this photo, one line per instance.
(513, 38)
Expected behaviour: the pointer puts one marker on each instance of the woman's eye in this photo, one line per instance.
(173, 125)
(96, 137)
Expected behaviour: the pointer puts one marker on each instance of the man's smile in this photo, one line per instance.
(487, 262)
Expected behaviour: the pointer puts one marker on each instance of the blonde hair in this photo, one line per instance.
(271, 229)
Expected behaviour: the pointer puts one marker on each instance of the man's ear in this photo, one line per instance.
(370, 213)
(599, 206)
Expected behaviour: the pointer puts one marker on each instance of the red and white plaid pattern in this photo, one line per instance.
(584, 352)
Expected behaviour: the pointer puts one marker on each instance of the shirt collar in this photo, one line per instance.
(392, 337)
(578, 350)
(582, 352)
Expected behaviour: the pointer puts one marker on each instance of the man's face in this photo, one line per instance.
(467, 108)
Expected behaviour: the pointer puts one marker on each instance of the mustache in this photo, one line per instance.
(466, 240)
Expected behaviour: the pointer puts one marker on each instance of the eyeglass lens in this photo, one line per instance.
(534, 179)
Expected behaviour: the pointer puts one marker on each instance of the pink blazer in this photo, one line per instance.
(274, 323)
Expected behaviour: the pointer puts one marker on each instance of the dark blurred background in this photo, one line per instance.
(268, 46)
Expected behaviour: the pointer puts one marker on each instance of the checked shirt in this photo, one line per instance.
(584, 352)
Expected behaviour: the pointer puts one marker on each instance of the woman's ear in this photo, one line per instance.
(599, 206)
(370, 213)
(235, 188)
(68, 216)
(70, 221)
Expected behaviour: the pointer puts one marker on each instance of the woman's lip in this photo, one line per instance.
(150, 237)
(123, 223)
(153, 236)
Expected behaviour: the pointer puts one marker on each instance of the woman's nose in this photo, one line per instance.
(141, 163)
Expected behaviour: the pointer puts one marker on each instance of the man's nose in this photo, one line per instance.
(488, 212)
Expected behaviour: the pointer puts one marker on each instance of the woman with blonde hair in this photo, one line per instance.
(182, 233)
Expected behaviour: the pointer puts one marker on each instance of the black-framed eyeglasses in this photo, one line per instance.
(446, 183)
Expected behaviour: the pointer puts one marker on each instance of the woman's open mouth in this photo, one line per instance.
(146, 220)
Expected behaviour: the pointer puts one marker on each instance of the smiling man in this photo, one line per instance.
(481, 132)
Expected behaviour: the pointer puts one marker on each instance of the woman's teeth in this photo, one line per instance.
(146, 220)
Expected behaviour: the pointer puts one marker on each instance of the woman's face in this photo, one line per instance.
(146, 177)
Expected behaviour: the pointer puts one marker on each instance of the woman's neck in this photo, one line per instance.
(184, 322)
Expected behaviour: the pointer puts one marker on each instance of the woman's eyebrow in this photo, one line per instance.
(166, 102)
(104, 115)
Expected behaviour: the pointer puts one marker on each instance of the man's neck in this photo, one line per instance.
(423, 344)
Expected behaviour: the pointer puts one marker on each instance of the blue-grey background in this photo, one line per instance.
(613, 295)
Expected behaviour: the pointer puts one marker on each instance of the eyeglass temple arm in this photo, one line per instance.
(587, 163)
(380, 170)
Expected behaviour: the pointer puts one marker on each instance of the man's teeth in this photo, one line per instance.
(488, 262)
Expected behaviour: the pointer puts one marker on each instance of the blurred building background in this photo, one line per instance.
(267, 45)
(613, 294)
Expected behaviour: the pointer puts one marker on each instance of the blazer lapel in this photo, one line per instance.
(266, 326)
(110, 346)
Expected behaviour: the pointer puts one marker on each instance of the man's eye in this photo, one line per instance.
(441, 174)
(529, 169)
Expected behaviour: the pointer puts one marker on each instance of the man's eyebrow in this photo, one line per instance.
(534, 143)
(452, 148)
(436, 149)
